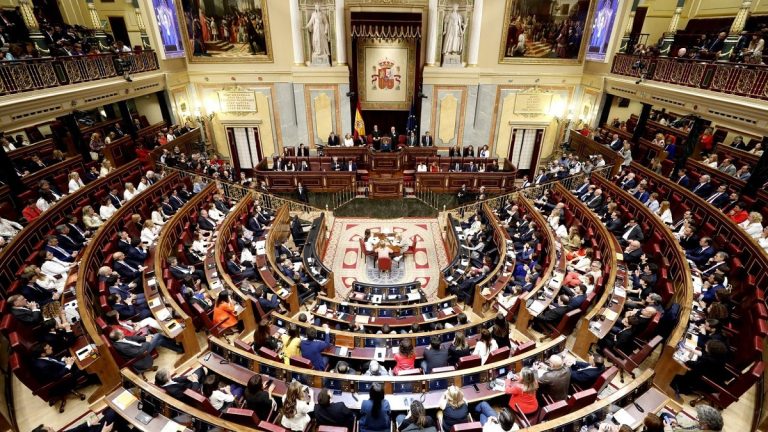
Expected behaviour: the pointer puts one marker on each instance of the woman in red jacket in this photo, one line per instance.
(405, 357)
(522, 391)
(707, 142)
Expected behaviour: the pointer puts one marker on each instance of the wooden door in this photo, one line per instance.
(524, 149)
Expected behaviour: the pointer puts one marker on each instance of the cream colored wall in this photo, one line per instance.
(265, 118)
(624, 113)
(148, 106)
(120, 8)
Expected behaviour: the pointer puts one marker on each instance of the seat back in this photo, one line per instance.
(581, 399)
(301, 362)
(640, 355)
(498, 354)
(268, 353)
(467, 427)
(324, 428)
(202, 402)
(525, 347)
(554, 410)
(243, 346)
(240, 415)
(605, 378)
(467, 362)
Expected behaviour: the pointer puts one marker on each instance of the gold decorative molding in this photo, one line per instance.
(308, 89)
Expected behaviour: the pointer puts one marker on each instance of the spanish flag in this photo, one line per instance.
(359, 123)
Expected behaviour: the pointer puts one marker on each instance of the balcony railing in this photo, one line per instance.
(35, 74)
(740, 79)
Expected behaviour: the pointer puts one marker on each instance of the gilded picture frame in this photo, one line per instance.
(231, 36)
(536, 46)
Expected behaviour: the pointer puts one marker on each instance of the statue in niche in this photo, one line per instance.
(454, 27)
(319, 29)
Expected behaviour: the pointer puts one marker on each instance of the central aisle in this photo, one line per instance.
(344, 258)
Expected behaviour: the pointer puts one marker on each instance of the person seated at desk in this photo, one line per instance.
(48, 368)
(349, 141)
(138, 347)
(179, 271)
(422, 167)
(175, 386)
(710, 364)
(312, 349)
(126, 308)
(291, 343)
(258, 399)
(556, 379)
(224, 315)
(335, 414)
(25, 311)
(124, 291)
(297, 404)
(220, 394)
(333, 139)
(553, 314)
(412, 140)
(237, 271)
(521, 389)
(585, 374)
(375, 411)
(485, 345)
(267, 304)
(383, 250)
(405, 359)
(453, 407)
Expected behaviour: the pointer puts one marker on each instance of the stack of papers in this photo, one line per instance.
(536, 307)
(610, 315)
(124, 400)
(322, 309)
(362, 319)
(448, 311)
(343, 351)
(414, 296)
(163, 314)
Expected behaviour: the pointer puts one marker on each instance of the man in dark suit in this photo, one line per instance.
(175, 200)
(688, 239)
(138, 347)
(204, 222)
(577, 298)
(596, 199)
(701, 254)
(682, 178)
(426, 140)
(79, 234)
(237, 271)
(48, 368)
(615, 225)
(126, 309)
(125, 241)
(129, 271)
(302, 151)
(177, 385)
(585, 374)
(471, 167)
(632, 231)
(267, 304)
(333, 139)
(68, 241)
(704, 187)
(543, 177)
(301, 192)
(350, 166)
(255, 226)
(220, 204)
(35, 293)
(24, 310)
(412, 140)
(720, 197)
(180, 271)
(114, 196)
(394, 136)
(581, 190)
(137, 252)
(59, 252)
(633, 252)
(552, 315)
(616, 144)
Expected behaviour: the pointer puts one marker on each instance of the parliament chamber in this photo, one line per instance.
(411, 216)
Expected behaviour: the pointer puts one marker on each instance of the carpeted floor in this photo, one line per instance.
(344, 256)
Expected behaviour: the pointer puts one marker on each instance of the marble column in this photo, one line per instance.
(432, 33)
(341, 35)
(629, 40)
(140, 24)
(669, 35)
(296, 35)
(99, 29)
(28, 15)
(727, 54)
(474, 33)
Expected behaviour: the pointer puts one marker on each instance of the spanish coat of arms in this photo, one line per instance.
(386, 76)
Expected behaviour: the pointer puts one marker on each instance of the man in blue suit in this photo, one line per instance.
(58, 251)
(585, 374)
(237, 271)
(701, 254)
(130, 272)
(704, 187)
(312, 349)
(682, 178)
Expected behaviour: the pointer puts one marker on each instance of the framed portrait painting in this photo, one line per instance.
(226, 30)
(167, 24)
(545, 31)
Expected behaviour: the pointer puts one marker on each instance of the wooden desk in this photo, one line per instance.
(501, 273)
(241, 365)
(378, 316)
(312, 256)
(267, 263)
(115, 400)
(585, 147)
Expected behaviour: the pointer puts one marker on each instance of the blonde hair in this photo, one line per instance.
(755, 217)
(74, 175)
(454, 397)
(87, 210)
(528, 380)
